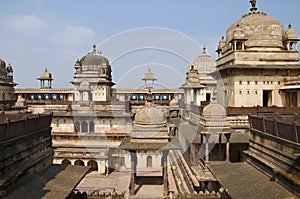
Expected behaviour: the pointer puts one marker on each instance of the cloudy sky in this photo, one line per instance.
(164, 35)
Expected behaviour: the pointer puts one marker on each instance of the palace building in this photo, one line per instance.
(234, 115)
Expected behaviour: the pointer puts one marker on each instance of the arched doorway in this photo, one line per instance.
(93, 164)
(84, 127)
(77, 126)
(92, 127)
(79, 162)
(66, 161)
(149, 161)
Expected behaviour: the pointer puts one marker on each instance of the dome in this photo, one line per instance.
(290, 34)
(2, 64)
(150, 115)
(204, 63)
(259, 30)
(222, 43)
(214, 110)
(94, 59)
(45, 75)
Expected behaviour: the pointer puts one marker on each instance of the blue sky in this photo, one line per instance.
(162, 35)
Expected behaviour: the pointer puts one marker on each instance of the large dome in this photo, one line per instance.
(204, 63)
(259, 30)
(150, 116)
(94, 59)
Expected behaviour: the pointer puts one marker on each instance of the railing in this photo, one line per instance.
(284, 130)
(24, 126)
(247, 110)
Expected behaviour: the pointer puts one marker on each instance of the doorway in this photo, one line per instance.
(208, 96)
(267, 98)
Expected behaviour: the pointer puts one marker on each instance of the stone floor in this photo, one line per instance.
(119, 182)
(149, 191)
(116, 181)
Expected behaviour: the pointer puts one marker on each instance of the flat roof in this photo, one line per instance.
(56, 181)
(242, 180)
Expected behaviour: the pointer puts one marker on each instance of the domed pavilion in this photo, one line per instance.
(199, 85)
(256, 60)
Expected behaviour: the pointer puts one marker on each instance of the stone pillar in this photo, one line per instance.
(133, 173)
(206, 147)
(220, 147)
(165, 172)
(227, 135)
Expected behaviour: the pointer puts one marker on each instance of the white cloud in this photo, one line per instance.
(27, 24)
(73, 36)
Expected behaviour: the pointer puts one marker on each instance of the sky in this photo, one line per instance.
(135, 35)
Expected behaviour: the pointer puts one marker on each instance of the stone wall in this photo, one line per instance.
(274, 149)
(26, 149)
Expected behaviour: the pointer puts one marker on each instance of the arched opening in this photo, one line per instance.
(79, 162)
(66, 161)
(122, 161)
(149, 161)
(92, 127)
(93, 164)
(84, 127)
(77, 126)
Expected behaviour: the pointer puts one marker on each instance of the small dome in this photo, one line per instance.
(259, 29)
(2, 64)
(45, 75)
(150, 115)
(222, 43)
(94, 59)
(214, 110)
(149, 75)
(204, 63)
(290, 34)
(238, 33)
(77, 64)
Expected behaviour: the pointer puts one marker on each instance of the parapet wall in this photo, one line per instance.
(25, 149)
(275, 151)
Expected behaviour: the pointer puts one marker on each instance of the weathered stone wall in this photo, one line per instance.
(25, 149)
(273, 151)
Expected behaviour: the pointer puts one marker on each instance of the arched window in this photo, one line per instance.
(77, 126)
(66, 161)
(92, 127)
(93, 164)
(149, 161)
(79, 162)
(84, 127)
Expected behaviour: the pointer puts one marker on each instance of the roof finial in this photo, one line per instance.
(94, 48)
(204, 51)
(253, 4)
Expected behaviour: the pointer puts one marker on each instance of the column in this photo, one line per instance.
(165, 172)
(206, 147)
(220, 145)
(227, 135)
(133, 173)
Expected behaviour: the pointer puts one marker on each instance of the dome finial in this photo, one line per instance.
(94, 48)
(204, 51)
(253, 4)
